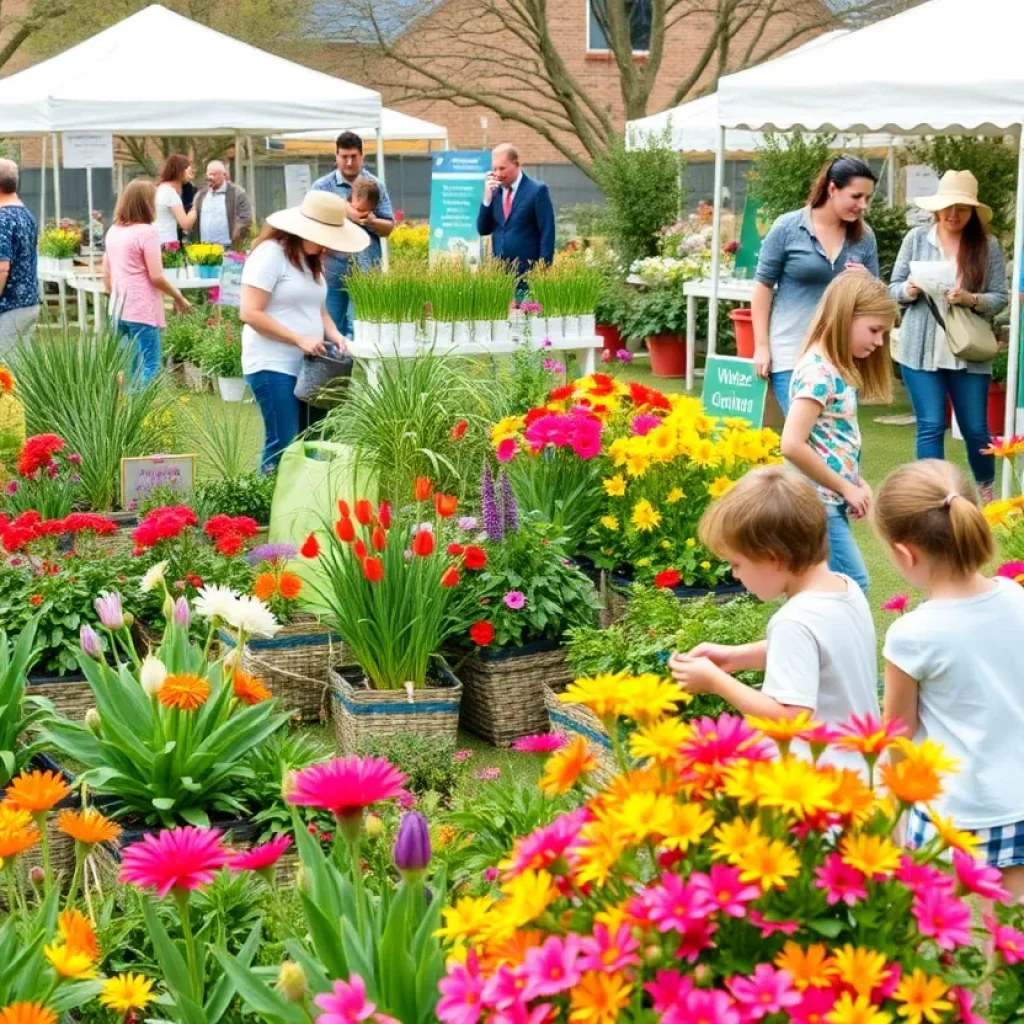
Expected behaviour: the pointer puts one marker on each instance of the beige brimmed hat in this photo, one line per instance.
(322, 219)
(957, 188)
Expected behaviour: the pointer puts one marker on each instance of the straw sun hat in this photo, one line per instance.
(957, 188)
(322, 219)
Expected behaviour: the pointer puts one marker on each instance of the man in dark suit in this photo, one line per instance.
(517, 211)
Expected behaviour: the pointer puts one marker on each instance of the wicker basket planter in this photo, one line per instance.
(295, 664)
(572, 720)
(361, 713)
(62, 847)
(194, 378)
(503, 691)
(69, 694)
(615, 595)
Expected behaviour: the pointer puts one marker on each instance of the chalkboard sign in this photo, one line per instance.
(733, 388)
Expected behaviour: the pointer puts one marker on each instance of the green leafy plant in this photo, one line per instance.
(220, 351)
(889, 223)
(654, 311)
(83, 390)
(248, 495)
(60, 243)
(569, 287)
(183, 335)
(19, 714)
(1000, 365)
(172, 255)
(430, 764)
(784, 168)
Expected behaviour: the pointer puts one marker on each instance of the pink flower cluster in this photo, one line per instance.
(578, 429)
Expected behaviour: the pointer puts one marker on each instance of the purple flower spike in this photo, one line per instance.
(509, 508)
(412, 845)
(489, 505)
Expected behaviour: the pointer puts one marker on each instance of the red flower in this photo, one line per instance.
(345, 530)
(481, 633)
(379, 539)
(364, 512)
(455, 550)
(229, 544)
(165, 523)
(359, 549)
(82, 522)
(423, 544)
(423, 488)
(476, 558)
(36, 600)
(445, 504)
(384, 514)
(343, 509)
(603, 384)
(219, 525)
(196, 581)
(373, 569)
(643, 395)
(669, 578)
(459, 429)
(310, 547)
(37, 452)
(562, 393)
(451, 577)
(535, 414)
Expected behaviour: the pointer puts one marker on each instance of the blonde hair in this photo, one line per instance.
(137, 203)
(849, 296)
(770, 514)
(930, 505)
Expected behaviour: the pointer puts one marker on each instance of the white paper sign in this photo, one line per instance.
(935, 277)
(230, 284)
(297, 179)
(921, 181)
(88, 149)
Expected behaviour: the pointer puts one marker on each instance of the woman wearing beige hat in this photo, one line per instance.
(282, 308)
(971, 275)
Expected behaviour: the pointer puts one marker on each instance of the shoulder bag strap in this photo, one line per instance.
(933, 309)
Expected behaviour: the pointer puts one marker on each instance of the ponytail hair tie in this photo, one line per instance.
(948, 499)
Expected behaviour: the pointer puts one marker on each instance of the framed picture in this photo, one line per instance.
(142, 475)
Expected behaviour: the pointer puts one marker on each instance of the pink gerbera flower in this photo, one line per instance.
(943, 918)
(716, 1007)
(177, 858)
(964, 1002)
(603, 951)
(1008, 942)
(869, 735)
(919, 878)
(673, 906)
(461, 990)
(814, 1004)
(262, 858)
(715, 745)
(840, 881)
(346, 785)
(979, 878)
(770, 928)
(1012, 571)
(542, 847)
(551, 968)
(898, 604)
(724, 890)
(346, 1003)
(767, 991)
(668, 990)
(542, 743)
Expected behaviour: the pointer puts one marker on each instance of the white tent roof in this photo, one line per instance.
(157, 73)
(947, 65)
(395, 127)
(694, 125)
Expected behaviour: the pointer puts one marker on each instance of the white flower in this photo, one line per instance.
(154, 577)
(215, 602)
(152, 675)
(251, 615)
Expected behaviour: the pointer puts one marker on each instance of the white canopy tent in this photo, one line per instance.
(395, 126)
(947, 66)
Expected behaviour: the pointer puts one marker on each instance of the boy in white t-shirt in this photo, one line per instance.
(820, 653)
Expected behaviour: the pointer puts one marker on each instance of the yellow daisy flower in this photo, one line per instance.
(610, 522)
(614, 486)
(645, 517)
(676, 494)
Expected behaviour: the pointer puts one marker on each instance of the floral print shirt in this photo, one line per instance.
(835, 435)
(18, 247)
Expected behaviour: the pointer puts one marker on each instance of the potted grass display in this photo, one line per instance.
(494, 286)
(567, 292)
(450, 296)
(389, 306)
(393, 592)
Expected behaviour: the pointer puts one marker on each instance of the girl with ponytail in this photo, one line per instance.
(952, 666)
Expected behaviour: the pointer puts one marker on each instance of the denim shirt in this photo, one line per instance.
(337, 265)
(793, 262)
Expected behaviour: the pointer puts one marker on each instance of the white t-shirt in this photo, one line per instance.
(296, 300)
(822, 656)
(966, 656)
(166, 226)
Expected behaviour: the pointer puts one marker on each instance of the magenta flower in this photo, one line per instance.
(488, 774)
(406, 800)
(673, 906)
(515, 599)
(90, 641)
(724, 890)
(461, 993)
(943, 918)
(814, 1004)
(668, 990)
(624, 355)
(767, 991)
(346, 785)
(531, 307)
(919, 878)
(603, 951)
(770, 928)
(75, 459)
(1012, 571)
(964, 1002)
(262, 858)
(643, 424)
(546, 845)
(979, 878)
(551, 968)
(463, 755)
(542, 743)
(841, 882)
(108, 608)
(491, 874)
(897, 604)
(1007, 941)
(606, 356)
(178, 858)
(715, 1007)
(346, 1003)
(12, 487)
(506, 449)
(554, 366)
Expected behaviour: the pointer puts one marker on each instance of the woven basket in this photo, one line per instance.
(572, 720)
(295, 664)
(62, 847)
(70, 695)
(615, 595)
(503, 691)
(362, 714)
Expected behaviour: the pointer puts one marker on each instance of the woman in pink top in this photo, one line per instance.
(133, 273)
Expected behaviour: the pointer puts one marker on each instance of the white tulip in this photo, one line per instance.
(152, 675)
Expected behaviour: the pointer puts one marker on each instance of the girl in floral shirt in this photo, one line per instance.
(845, 352)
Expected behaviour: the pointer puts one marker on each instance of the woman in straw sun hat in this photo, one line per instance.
(282, 308)
(972, 276)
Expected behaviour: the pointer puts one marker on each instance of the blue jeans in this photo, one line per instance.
(145, 348)
(339, 309)
(969, 394)
(780, 385)
(843, 554)
(284, 416)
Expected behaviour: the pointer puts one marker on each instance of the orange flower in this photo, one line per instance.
(264, 586)
(289, 586)
(6, 380)
(27, 1013)
(248, 689)
(423, 488)
(184, 691)
(564, 767)
(88, 826)
(78, 933)
(17, 841)
(445, 504)
(37, 792)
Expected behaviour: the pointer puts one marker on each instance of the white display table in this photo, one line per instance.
(85, 285)
(735, 290)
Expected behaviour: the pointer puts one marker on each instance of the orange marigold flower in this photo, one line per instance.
(88, 826)
(27, 1013)
(264, 586)
(6, 380)
(37, 791)
(565, 766)
(17, 841)
(184, 691)
(289, 586)
(248, 689)
(77, 931)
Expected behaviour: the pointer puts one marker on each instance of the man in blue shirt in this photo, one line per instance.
(378, 224)
(19, 285)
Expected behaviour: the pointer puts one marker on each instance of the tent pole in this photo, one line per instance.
(384, 253)
(252, 175)
(56, 178)
(88, 213)
(238, 160)
(42, 189)
(890, 176)
(716, 243)
(1013, 363)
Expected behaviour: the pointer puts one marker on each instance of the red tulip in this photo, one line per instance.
(359, 549)
(481, 633)
(364, 511)
(669, 578)
(345, 530)
(459, 429)
(451, 577)
(343, 509)
(455, 550)
(373, 569)
(423, 544)
(423, 488)
(379, 538)
(384, 514)
(310, 547)
(476, 558)
(445, 504)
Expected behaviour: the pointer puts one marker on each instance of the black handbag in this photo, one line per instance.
(323, 380)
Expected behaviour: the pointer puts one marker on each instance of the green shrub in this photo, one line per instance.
(430, 763)
(784, 168)
(889, 223)
(249, 495)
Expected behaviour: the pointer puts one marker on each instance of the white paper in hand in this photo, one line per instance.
(935, 277)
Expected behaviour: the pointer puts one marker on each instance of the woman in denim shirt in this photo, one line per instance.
(801, 255)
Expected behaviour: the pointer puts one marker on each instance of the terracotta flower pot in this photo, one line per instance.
(743, 324)
(610, 336)
(668, 355)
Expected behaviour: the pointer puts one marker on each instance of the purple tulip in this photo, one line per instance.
(90, 641)
(182, 613)
(412, 845)
(108, 608)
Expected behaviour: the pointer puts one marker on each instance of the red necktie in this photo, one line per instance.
(507, 206)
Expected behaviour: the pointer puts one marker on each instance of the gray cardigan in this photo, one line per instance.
(917, 329)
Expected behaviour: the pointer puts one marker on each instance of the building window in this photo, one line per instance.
(639, 12)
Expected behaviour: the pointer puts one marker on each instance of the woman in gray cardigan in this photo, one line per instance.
(930, 370)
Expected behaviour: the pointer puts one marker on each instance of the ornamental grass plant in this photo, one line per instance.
(568, 287)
